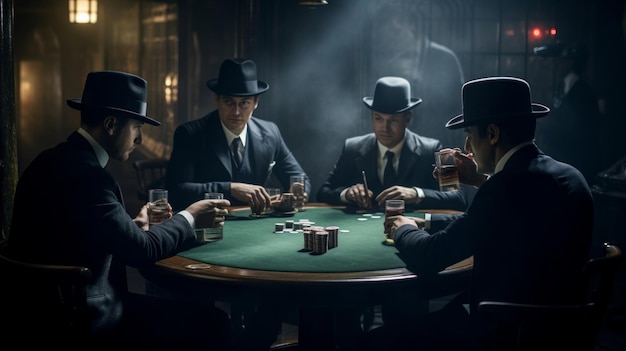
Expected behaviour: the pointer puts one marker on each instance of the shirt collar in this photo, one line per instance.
(101, 154)
(230, 135)
(500, 165)
(382, 149)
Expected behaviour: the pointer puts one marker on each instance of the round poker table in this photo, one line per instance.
(253, 243)
(253, 254)
(253, 260)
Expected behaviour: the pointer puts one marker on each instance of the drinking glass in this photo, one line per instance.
(274, 194)
(448, 172)
(206, 228)
(158, 207)
(297, 188)
(393, 208)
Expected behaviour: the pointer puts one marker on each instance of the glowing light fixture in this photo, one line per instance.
(83, 11)
(312, 3)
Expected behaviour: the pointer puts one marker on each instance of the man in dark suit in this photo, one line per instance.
(528, 228)
(575, 114)
(69, 210)
(411, 178)
(230, 151)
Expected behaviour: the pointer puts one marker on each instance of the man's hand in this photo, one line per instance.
(392, 223)
(467, 167)
(358, 195)
(209, 213)
(397, 192)
(253, 195)
(142, 218)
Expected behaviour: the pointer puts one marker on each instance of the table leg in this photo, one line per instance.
(316, 328)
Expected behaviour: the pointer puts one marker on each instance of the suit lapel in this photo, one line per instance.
(217, 141)
(259, 145)
(408, 156)
(367, 162)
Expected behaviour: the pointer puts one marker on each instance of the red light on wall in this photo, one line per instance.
(552, 31)
(536, 32)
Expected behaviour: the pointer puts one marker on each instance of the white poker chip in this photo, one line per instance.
(361, 219)
(344, 230)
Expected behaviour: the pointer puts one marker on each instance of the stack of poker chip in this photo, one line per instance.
(309, 236)
(333, 236)
(308, 239)
(291, 226)
(320, 244)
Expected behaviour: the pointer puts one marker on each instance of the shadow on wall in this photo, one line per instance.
(322, 77)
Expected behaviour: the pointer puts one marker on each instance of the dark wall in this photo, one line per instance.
(319, 63)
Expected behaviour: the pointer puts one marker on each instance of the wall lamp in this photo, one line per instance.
(312, 3)
(83, 11)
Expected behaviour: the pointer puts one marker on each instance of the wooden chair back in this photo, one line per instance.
(150, 175)
(43, 304)
(563, 327)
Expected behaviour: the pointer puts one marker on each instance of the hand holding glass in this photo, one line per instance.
(158, 206)
(448, 174)
(207, 229)
(297, 188)
(274, 194)
(392, 208)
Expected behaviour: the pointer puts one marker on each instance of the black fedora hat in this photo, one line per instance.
(391, 95)
(119, 93)
(495, 99)
(237, 77)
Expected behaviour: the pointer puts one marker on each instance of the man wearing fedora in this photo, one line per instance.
(396, 161)
(69, 210)
(532, 216)
(229, 150)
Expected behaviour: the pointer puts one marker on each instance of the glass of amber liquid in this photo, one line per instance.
(393, 208)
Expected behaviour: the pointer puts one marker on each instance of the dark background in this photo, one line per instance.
(319, 62)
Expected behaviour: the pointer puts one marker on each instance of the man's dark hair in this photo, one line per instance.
(93, 116)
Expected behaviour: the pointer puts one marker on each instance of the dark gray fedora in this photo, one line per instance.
(495, 99)
(237, 77)
(118, 93)
(391, 95)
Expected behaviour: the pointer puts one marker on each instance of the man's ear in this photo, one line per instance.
(493, 134)
(110, 123)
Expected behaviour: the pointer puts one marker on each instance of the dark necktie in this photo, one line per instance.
(235, 148)
(389, 177)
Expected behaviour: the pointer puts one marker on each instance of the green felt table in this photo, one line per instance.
(252, 261)
(252, 243)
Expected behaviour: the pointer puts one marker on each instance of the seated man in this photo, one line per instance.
(229, 150)
(86, 224)
(532, 216)
(406, 175)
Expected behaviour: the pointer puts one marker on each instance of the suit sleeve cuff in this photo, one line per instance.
(188, 217)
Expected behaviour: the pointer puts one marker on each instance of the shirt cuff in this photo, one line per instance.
(427, 221)
(342, 196)
(420, 194)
